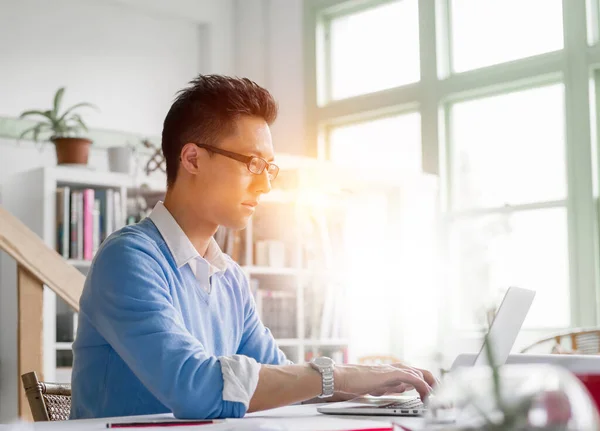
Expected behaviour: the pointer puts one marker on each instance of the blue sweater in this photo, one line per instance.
(149, 338)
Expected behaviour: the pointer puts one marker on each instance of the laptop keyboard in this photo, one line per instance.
(415, 403)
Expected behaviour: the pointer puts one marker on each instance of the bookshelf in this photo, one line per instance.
(273, 256)
(32, 197)
(285, 280)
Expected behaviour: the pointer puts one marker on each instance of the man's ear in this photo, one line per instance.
(189, 158)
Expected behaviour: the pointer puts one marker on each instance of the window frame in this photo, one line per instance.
(576, 65)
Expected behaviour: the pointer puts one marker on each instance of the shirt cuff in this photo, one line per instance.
(240, 378)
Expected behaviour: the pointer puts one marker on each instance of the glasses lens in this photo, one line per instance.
(257, 165)
(273, 171)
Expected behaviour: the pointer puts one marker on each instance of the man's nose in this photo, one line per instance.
(263, 182)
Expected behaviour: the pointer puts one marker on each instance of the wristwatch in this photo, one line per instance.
(325, 366)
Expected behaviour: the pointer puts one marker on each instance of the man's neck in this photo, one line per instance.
(198, 231)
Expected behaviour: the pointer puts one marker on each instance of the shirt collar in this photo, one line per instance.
(179, 244)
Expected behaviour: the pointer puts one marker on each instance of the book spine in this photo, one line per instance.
(66, 221)
(73, 226)
(79, 225)
(63, 230)
(96, 238)
(88, 224)
(109, 213)
(119, 221)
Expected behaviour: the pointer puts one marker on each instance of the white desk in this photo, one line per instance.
(292, 418)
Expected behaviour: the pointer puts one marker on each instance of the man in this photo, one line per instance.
(167, 322)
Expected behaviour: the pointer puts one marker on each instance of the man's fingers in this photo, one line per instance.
(420, 385)
(429, 378)
(401, 388)
(424, 374)
(416, 371)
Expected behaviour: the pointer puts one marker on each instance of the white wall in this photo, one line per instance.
(127, 63)
(269, 50)
(128, 60)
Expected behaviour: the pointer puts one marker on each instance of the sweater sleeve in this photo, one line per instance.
(129, 303)
(257, 340)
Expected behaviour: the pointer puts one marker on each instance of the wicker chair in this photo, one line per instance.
(577, 341)
(48, 401)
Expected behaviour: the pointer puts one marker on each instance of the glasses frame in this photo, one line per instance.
(247, 160)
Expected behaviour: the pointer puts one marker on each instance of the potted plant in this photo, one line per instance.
(65, 128)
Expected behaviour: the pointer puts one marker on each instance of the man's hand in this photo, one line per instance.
(356, 380)
(280, 385)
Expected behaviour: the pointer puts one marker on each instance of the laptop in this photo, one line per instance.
(502, 334)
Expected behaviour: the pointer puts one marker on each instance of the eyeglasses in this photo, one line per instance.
(256, 165)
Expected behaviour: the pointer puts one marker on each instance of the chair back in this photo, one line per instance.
(585, 341)
(48, 401)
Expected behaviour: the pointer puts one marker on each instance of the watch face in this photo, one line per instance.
(323, 361)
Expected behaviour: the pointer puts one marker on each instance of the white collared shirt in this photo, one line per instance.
(240, 373)
(183, 250)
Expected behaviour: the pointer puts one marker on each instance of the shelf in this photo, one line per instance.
(326, 342)
(296, 272)
(285, 342)
(80, 263)
(63, 345)
(63, 374)
(84, 176)
(268, 270)
(146, 185)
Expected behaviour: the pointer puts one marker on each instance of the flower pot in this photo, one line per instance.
(72, 150)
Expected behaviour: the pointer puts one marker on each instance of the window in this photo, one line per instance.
(526, 248)
(509, 149)
(487, 32)
(501, 118)
(392, 143)
(509, 159)
(391, 146)
(374, 49)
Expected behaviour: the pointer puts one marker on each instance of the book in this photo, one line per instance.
(79, 224)
(96, 238)
(63, 202)
(73, 226)
(88, 223)
(109, 218)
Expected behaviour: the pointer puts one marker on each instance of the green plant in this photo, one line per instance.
(63, 124)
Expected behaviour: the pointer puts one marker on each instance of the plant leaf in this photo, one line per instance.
(57, 100)
(35, 131)
(79, 122)
(45, 114)
(72, 108)
(26, 131)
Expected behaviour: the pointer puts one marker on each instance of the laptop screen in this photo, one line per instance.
(506, 325)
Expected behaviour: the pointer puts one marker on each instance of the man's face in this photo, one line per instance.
(227, 191)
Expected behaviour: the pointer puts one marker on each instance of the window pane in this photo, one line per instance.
(388, 143)
(527, 249)
(509, 149)
(486, 32)
(374, 49)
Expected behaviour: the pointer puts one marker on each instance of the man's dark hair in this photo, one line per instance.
(206, 111)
